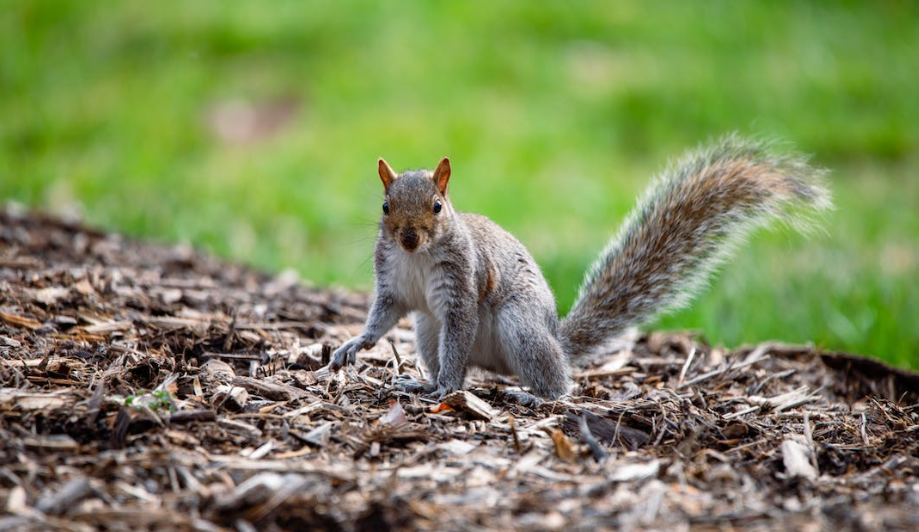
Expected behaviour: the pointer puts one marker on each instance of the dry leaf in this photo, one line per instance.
(564, 449)
(395, 416)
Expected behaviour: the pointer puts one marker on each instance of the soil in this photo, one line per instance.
(151, 387)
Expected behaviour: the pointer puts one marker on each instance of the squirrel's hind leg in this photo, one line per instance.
(533, 352)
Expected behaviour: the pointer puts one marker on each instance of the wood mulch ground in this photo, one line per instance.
(147, 387)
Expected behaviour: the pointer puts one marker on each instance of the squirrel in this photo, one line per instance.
(480, 299)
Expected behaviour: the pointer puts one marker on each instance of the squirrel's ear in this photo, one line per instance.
(387, 175)
(442, 175)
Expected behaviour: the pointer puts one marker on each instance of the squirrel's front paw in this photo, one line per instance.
(346, 354)
(445, 388)
(410, 384)
(443, 391)
(447, 383)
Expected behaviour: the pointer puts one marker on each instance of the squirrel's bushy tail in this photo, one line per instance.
(690, 220)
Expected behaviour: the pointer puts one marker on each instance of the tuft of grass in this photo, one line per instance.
(160, 401)
(555, 115)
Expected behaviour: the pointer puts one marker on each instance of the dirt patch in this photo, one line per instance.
(149, 387)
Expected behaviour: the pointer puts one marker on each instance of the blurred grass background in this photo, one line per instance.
(252, 129)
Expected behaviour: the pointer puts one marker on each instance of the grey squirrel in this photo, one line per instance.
(481, 300)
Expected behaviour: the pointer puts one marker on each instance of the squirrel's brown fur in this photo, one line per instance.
(480, 299)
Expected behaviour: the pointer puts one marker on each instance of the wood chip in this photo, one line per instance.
(57, 503)
(269, 390)
(234, 398)
(624, 471)
(20, 321)
(796, 456)
(465, 401)
(109, 327)
(564, 449)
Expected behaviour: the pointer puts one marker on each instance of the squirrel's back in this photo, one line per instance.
(687, 224)
(506, 269)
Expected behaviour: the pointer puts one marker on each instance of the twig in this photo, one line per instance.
(395, 352)
(692, 354)
(600, 454)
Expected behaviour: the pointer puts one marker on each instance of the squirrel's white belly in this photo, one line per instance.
(411, 276)
(488, 352)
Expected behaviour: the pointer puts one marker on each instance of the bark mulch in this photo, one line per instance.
(147, 387)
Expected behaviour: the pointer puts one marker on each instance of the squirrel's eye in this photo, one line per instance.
(437, 207)
(385, 207)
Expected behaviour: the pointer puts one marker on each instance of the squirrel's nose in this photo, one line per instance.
(409, 239)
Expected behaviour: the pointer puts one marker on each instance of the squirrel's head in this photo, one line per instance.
(415, 211)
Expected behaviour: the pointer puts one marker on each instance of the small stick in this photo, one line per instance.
(513, 425)
(398, 358)
(692, 354)
(809, 435)
(616, 433)
(600, 454)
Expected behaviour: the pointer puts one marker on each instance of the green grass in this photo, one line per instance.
(554, 115)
